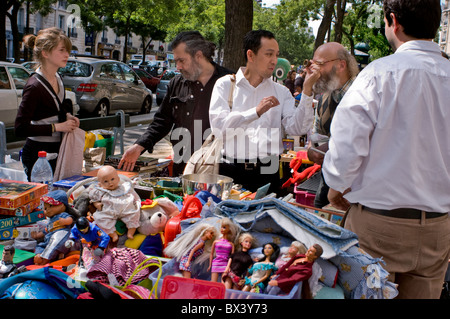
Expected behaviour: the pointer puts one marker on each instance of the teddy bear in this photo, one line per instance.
(150, 234)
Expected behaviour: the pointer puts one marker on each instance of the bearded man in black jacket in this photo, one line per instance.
(184, 112)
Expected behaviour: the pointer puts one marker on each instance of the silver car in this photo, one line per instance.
(104, 86)
(13, 78)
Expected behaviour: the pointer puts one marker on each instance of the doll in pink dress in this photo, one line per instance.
(222, 248)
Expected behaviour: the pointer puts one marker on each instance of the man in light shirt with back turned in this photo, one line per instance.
(389, 152)
(261, 110)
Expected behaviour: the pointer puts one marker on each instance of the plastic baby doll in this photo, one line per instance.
(261, 271)
(96, 238)
(222, 248)
(115, 200)
(6, 264)
(295, 249)
(239, 263)
(298, 268)
(191, 247)
(57, 231)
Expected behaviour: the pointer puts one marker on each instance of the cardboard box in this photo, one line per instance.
(7, 222)
(22, 210)
(18, 232)
(14, 194)
(70, 182)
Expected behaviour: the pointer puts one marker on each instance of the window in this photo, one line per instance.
(111, 71)
(129, 73)
(61, 23)
(20, 77)
(4, 80)
(75, 68)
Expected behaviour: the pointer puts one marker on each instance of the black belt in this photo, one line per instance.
(407, 213)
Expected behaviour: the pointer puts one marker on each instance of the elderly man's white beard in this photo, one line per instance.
(327, 84)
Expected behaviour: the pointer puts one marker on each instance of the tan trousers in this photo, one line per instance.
(416, 251)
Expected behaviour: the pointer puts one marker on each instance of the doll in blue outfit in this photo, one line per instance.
(94, 236)
(260, 272)
(57, 230)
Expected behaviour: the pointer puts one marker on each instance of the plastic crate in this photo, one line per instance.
(304, 197)
(171, 269)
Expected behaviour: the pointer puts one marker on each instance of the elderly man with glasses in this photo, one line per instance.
(329, 74)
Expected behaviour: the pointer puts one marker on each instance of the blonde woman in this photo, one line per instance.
(42, 115)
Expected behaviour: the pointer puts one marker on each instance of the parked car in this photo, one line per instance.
(31, 65)
(13, 78)
(104, 86)
(163, 83)
(150, 81)
(134, 63)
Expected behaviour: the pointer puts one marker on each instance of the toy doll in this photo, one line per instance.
(114, 200)
(57, 231)
(298, 268)
(295, 248)
(95, 237)
(239, 263)
(6, 264)
(260, 271)
(191, 247)
(222, 248)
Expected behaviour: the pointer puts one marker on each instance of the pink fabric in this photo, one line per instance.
(121, 262)
(70, 156)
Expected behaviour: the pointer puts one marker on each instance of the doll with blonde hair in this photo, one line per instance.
(192, 246)
(239, 263)
(222, 248)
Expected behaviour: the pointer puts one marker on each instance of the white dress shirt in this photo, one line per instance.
(390, 135)
(246, 135)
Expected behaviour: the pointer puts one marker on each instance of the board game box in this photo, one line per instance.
(14, 194)
(7, 222)
(23, 210)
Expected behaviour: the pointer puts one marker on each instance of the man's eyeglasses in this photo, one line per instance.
(307, 63)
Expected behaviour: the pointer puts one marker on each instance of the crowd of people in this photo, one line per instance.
(380, 135)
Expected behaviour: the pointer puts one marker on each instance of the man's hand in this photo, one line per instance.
(266, 104)
(315, 156)
(337, 199)
(312, 75)
(130, 157)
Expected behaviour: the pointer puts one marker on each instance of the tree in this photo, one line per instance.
(238, 21)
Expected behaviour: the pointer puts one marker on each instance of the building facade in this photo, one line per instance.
(106, 43)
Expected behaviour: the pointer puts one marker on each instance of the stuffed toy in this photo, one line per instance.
(150, 236)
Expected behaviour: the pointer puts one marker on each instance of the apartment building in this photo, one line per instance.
(106, 43)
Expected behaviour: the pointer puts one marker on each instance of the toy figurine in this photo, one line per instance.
(191, 247)
(295, 248)
(222, 248)
(95, 237)
(299, 268)
(115, 199)
(260, 271)
(239, 263)
(6, 264)
(57, 231)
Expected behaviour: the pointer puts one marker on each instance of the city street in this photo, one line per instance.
(136, 127)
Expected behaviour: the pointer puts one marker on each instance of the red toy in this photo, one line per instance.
(298, 177)
(192, 208)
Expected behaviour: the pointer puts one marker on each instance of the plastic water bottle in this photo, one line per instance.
(42, 171)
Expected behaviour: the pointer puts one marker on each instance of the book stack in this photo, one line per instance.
(143, 164)
(20, 206)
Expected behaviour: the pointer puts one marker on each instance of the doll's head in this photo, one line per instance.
(296, 248)
(209, 233)
(55, 203)
(228, 229)
(270, 250)
(108, 178)
(246, 241)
